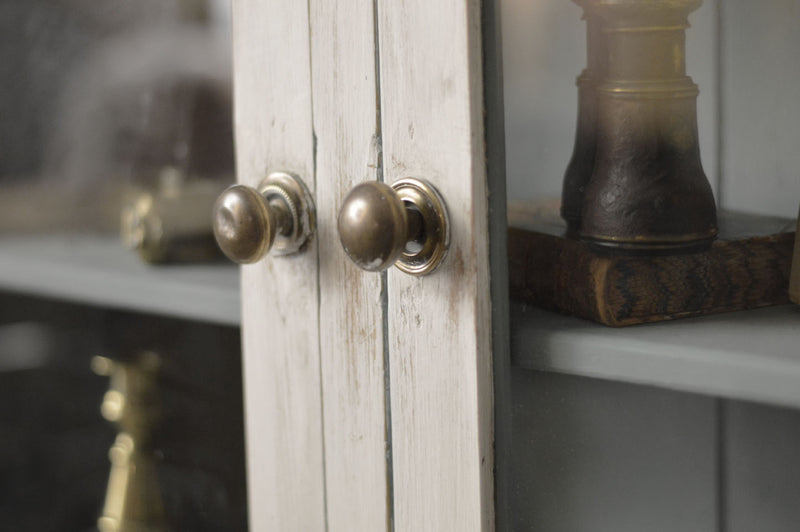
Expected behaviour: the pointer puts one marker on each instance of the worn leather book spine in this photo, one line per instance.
(567, 276)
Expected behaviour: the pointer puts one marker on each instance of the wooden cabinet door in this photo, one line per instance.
(280, 296)
(370, 397)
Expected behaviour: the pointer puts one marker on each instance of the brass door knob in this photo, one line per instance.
(404, 224)
(278, 216)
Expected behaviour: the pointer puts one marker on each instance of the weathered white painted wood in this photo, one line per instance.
(760, 111)
(440, 325)
(751, 355)
(272, 110)
(352, 326)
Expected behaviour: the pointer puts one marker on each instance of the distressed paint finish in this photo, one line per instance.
(351, 329)
(280, 295)
(440, 325)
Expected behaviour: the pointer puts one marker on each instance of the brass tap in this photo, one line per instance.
(133, 498)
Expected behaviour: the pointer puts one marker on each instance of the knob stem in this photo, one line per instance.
(281, 216)
(415, 237)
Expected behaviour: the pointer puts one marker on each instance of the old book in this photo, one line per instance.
(747, 267)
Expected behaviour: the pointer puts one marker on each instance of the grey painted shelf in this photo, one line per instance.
(98, 270)
(750, 355)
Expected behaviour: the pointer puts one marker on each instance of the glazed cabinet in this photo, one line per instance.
(388, 378)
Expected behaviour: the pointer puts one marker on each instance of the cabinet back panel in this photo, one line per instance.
(603, 456)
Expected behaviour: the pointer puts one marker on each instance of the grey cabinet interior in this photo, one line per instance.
(597, 455)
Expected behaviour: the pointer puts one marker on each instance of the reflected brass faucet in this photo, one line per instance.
(133, 498)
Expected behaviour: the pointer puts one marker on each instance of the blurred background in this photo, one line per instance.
(100, 97)
(108, 408)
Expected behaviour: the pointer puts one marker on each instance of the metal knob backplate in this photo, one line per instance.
(277, 217)
(405, 225)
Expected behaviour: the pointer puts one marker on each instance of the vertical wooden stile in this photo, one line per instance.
(346, 127)
(272, 112)
(440, 326)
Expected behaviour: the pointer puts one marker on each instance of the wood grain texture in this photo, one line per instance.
(440, 325)
(281, 371)
(563, 274)
(351, 328)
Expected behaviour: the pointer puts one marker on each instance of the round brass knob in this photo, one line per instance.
(404, 224)
(276, 217)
